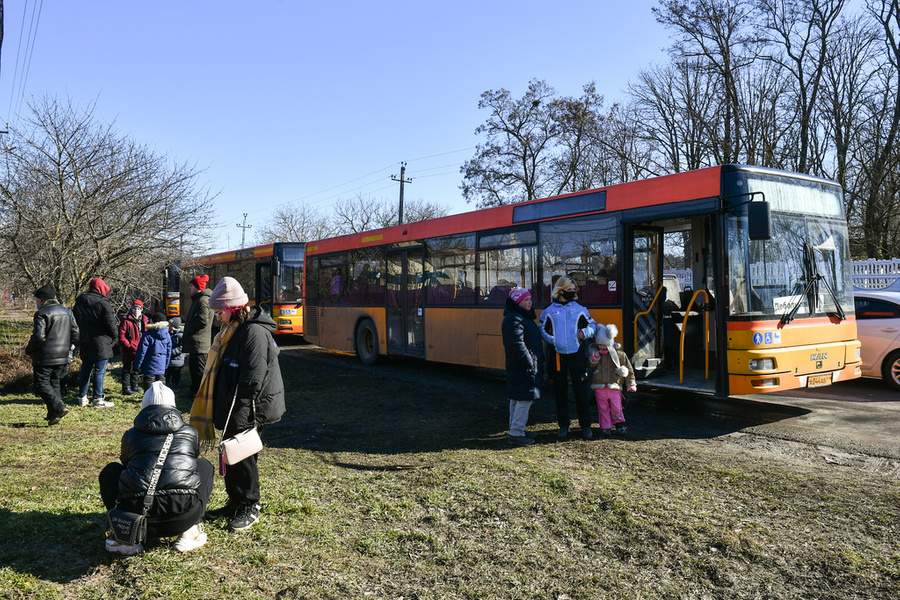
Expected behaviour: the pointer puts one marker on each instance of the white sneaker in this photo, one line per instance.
(123, 549)
(191, 539)
(83, 401)
(101, 403)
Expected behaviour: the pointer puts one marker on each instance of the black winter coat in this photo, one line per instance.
(52, 336)
(250, 366)
(98, 326)
(179, 481)
(198, 324)
(524, 352)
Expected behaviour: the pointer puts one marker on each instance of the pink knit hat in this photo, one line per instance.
(228, 294)
(518, 294)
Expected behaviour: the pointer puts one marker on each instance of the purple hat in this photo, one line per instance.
(518, 294)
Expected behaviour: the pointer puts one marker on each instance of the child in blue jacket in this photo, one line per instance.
(173, 373)
(154, 351)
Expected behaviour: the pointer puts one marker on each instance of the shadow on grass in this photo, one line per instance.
(336, 404)
(58, 547)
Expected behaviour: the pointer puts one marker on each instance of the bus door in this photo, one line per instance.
(643, 305)
(404, 312)
(263, 291)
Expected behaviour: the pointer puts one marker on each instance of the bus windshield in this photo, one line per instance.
(802, 270)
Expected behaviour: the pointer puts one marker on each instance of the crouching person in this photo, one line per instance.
(185, 481)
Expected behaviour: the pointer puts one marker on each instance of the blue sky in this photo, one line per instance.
(282, 102)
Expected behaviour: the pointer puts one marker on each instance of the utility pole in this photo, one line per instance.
(402, 180)
(244, 229)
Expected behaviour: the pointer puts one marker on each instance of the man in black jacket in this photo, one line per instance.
(198, 327)
(52, 336)
(99, 329)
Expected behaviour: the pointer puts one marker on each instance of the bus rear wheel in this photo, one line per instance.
(367, 343)
(890, 370)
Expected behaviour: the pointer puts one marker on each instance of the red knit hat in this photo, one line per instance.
(138, 302)
(99, 286)
(200, 282)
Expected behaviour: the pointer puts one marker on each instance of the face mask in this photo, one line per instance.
(569, 296)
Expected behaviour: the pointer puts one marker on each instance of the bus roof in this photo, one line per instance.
(702, 183)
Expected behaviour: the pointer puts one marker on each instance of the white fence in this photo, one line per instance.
(870, 274)
(875, 274)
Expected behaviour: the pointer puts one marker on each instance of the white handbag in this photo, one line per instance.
(239, 446)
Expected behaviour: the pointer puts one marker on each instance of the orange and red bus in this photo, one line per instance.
(272, 275)
(763, 302)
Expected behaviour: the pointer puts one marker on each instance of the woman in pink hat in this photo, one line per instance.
(524, 357)
(241, 371)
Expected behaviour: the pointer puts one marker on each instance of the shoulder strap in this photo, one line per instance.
(157, 468)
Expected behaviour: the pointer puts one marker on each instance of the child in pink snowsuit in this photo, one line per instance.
(611, 370)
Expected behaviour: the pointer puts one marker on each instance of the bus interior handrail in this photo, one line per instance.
(687, 312)
(640, 314)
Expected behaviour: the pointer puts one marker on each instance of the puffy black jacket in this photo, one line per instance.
(249, 366)
(53, 334)
(524, 352)
(179, 480)
(98, 326)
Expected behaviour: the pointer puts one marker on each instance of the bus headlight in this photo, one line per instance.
(858, 353)
(762, 364)
(284, 322)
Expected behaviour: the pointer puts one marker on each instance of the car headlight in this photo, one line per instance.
(762, 364)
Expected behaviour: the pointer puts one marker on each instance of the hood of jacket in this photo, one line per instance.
(157, 328)
(204, 292)
(158, 419)
(261, 317)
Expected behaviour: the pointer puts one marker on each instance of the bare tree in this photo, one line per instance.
(579, 124)
(358, 214)
(79, 201)
(716, 31)
(798, 32)
(511, 165)
(296, 222)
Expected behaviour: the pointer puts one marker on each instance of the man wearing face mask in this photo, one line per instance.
(564, 325)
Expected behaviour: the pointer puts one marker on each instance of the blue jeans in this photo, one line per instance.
(85, 379)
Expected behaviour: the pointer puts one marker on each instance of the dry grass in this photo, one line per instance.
(377, 488)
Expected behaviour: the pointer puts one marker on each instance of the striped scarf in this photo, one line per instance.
(202, 409)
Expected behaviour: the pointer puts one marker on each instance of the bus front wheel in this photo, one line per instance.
(367, 343)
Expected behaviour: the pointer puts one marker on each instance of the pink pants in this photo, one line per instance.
(609, 406)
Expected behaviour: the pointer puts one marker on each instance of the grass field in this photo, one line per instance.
(352, 511)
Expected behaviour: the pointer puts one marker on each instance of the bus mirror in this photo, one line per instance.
(759, 219)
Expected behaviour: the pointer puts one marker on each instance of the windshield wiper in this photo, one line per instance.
(812, 289)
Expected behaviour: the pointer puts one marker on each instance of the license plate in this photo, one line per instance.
(818, 380)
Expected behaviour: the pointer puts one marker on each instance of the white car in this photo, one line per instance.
(878, 330)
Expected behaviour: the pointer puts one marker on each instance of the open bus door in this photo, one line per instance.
(643, 308)
(264, 287)
(404, 313)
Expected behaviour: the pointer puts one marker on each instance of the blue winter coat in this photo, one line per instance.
(154, 350)
(177, 348)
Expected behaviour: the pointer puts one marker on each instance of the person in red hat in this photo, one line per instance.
(97, 322)
(198, 330)
(132, 327)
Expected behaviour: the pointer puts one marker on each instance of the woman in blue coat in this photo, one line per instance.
(524, 357)
(564, 325)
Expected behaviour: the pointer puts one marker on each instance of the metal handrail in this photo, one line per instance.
(687, 312)
(640, 314)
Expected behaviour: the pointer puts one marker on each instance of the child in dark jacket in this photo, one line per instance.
(154, 352)
(173, 373)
